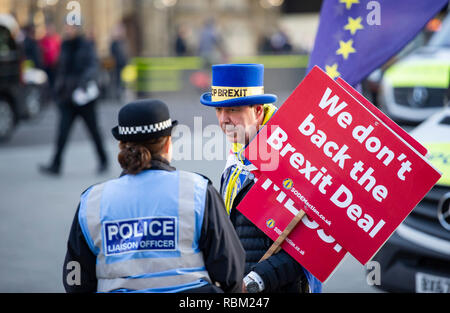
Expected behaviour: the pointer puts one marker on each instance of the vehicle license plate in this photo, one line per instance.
(432, 284)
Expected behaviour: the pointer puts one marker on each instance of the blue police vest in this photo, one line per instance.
(145, 229)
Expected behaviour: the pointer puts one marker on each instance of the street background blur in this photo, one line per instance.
(146, 48)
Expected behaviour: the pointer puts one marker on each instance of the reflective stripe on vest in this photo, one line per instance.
(146, 270)
(152, 282)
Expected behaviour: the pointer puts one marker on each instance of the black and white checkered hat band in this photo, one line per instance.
(146, 129)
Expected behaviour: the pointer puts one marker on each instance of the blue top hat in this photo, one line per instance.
(237, 85)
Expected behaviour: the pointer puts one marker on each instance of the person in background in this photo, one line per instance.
(75, 93)
(211, 46)
(50, 46)
(118, 50)
(154, 229)
(31, 48)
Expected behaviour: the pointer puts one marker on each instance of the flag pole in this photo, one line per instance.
(276, 246)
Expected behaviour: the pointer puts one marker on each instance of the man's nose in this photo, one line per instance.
(223, 117)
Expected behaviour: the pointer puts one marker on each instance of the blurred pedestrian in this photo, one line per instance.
(211, 46)
(280, 42)
(264, 46)
(50, 46)
(76, 93)
(156, 229)
(241, 118)
(180, 41)
(31, 47)
(118, 50)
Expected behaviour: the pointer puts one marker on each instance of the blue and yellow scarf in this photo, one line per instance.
(240, 167)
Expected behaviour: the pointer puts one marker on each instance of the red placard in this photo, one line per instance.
(391, 124)
(358, 179)
(269, 207)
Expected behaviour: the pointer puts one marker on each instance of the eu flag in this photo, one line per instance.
(357, 36)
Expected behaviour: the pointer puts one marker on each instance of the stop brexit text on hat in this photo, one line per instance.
(359, 177)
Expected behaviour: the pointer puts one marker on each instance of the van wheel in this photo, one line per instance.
(7, 120)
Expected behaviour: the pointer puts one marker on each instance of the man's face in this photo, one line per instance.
(240, 124)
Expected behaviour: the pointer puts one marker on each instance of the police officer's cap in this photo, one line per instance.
(143, 120)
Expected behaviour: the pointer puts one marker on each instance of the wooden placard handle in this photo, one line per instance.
(276, 246)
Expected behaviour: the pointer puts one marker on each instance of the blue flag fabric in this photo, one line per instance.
(355, 37)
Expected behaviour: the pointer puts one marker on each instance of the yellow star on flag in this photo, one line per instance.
(345, 48)
(354, 25)
(332, 70)
(349, 3)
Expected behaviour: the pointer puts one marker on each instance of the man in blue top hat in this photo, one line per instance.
(242, 108)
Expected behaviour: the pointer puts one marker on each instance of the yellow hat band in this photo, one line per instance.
(225, 93)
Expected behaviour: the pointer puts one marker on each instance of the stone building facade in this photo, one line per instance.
(151, 25)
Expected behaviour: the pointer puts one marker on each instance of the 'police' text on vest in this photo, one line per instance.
(143, 234)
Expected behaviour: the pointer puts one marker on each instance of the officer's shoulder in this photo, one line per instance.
(202, 176)
(92, 186)
(205, 177)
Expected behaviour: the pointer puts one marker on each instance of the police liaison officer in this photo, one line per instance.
(242, 108)
(154, 229)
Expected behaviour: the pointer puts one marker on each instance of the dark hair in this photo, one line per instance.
(136, 156)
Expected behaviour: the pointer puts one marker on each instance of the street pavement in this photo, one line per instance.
(37, 211)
